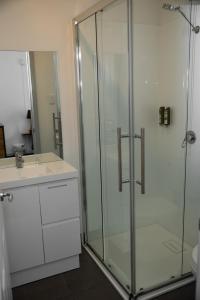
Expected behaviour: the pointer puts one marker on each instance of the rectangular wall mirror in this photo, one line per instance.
(30, 114)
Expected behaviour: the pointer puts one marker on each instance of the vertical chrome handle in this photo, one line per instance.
(120, 136)
(119, 148)
(142, 161)
(60, 144)
(54, 130)
(142, 181)
(60, 129)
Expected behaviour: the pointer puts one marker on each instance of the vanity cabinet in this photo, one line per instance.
(43, 229)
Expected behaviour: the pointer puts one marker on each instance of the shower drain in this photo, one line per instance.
(174, 246)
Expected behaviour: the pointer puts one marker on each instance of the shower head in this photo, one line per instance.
(171, 7)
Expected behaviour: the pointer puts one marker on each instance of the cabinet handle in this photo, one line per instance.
(56, 186)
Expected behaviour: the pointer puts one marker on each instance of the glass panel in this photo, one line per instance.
(90, 123)
(161, 52)
(114, 113)
(192, 205)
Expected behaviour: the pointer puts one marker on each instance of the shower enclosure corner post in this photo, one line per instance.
(131, 145)
(80, 133)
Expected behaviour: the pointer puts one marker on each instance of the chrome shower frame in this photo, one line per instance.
(172, 283)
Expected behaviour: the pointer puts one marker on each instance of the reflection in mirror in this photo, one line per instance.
(30, 116)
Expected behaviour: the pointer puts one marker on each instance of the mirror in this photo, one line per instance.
(30, 115)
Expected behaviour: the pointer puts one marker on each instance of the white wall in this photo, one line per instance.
(46, 25)
(14, 97)
(161, 54)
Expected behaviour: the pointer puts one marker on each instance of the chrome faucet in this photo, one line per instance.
(19, 160)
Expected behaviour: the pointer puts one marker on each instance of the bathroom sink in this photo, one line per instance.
(8, 174)
(28, 171)
(35, 170)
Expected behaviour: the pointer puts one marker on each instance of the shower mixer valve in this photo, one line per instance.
(190, 138)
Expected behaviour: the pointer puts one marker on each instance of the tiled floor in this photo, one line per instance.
(86, 283)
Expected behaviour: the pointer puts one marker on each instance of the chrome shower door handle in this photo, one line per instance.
(142, 181)
(142, 161)
(119, 148)
(120, 136)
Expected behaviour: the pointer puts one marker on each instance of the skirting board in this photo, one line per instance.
(43, 271)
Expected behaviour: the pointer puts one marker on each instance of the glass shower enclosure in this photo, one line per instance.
(133, 59)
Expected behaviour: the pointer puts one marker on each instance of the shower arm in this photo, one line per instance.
(196, 29)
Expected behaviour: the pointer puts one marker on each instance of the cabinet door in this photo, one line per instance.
(59, 200)
(23, 228)
(61, 240)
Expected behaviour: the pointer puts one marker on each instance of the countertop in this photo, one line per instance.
(31, 174)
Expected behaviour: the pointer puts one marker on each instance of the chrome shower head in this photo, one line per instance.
(170, 7)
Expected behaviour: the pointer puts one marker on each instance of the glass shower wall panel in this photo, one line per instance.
(90, 133)
(192, 203)
(161, 55)
(112, 33)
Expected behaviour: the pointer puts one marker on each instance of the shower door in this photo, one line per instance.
(105, 98)
(112, 47)
(161, 42)
(90, 132)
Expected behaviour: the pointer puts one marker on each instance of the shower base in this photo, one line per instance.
(158, 256)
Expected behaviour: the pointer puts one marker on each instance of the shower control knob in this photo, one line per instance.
(4, 196)
(191, 137)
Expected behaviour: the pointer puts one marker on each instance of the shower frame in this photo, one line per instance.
(172, 283)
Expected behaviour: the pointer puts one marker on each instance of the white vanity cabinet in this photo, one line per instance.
(42, 222)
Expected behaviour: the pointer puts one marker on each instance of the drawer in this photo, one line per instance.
(59, 201)
(61, 240)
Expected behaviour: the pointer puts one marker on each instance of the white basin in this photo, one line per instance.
(35, 170)
(29, 171)
(42, 169)
(8, 174)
